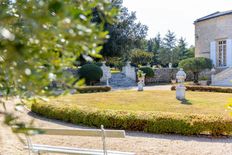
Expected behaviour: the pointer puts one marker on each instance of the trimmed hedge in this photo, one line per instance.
(207, 89)
(148, 71)
(153, 122)
(93, 89)
(91, 73)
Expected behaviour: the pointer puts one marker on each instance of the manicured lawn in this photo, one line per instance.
(198, 102)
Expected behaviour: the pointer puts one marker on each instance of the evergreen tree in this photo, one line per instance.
(158, 42)
(154, 45)
(168, 53)
(150, 45)
(169, 41)
(182, 49)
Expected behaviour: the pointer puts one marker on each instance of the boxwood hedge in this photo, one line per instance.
(206, 89)
(93, 89)
(153, 122)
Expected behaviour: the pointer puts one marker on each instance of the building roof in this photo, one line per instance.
(213, 15)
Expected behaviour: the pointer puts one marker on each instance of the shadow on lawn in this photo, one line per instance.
(185, 101)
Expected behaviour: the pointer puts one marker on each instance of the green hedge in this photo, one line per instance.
(93, 89)
(206, 89)
(153, 122)
(148, 71)
(91, 73)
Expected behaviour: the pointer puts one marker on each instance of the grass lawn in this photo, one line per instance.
(198, 102)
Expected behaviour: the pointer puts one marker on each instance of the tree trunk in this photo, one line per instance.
(195, 77)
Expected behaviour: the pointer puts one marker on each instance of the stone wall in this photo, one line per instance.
(165, 75)
(162, 75)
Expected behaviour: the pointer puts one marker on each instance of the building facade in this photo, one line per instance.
(213, 38)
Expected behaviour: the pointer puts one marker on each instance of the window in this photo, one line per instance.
(222, 53)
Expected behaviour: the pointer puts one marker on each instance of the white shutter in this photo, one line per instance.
(229, 52)
(213, 50)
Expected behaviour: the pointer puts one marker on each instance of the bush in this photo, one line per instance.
(153, 122)
(196, 65)
(148, 71)
(139, 57)
(93, 89)
(207, 89)
(98, 63)
(91, 73)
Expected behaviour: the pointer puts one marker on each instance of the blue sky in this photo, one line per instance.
(176, 15)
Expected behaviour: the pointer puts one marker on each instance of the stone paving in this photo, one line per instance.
(120, 81)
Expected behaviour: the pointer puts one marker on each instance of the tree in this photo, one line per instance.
(196, 65)
(125, 34)
(150, 45)
(154, 45)
(183, 51)
(157, 43)
(168, 53)
(140, 57)
(166, 56)
(39, 40)
(191, 51)
(169, 41)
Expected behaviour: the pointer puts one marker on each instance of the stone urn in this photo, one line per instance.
(141, 80)
(180, 88)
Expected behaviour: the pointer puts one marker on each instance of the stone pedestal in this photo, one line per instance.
(140, 86)
(180, 92)
(106, 73)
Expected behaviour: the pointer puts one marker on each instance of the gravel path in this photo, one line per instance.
(141, 143)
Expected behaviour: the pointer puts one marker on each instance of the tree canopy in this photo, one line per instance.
(125, 34)
(41, 39)
(140, 57)
(196, 65)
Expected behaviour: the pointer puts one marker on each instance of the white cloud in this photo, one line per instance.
(176, 15)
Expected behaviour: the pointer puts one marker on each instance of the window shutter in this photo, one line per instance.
(213, 50)
(229, 52)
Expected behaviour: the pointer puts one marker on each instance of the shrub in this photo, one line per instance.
(207, 89)
(91, 73)
(148, 71)
(153, 122)
(139, 57)
(196, 65)
(98, 63)
(93, 89)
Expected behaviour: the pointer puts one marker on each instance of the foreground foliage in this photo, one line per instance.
(41, 39)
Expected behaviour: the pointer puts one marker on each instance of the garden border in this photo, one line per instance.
(152, 122)
(206, 89)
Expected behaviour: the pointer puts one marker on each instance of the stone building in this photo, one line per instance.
(213, 39)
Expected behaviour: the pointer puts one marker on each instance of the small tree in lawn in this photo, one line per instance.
(196, 65)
